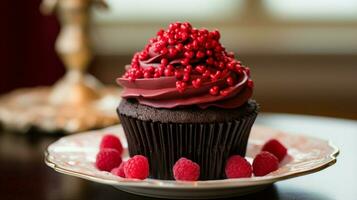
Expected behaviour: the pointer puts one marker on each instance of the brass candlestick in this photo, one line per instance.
(73, 46)
(78, 101)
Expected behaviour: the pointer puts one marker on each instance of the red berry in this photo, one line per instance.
(171, 41)
(150, 69)
(111, 141)
(221, 65)
(224, 92)
(238, 167)
(239, 69)
(274, 147)
(157, 75)
(160, 32)
(164, 61)
(214, 90)
(200, 54)
(197, 83)
(168, 72)
(119, 171)
(139, 74)
(195, 44)
(131, 78)
(164, 51)
(178, 74)
(179, 47)
(185, 61)
(264, 163)
(188, 69)
(186, 170)
(216, 76)
(216, 34)
(200, 68)
(219, 48)
(147, 74)
(231, 65)
(201, 40)
(137, 167)
(143, 55)
(152, 40)
(230, 81)
(189, 54)
(186, 77)
(214, 43)
(172, 26)
(230, 54)
(184, 36)
(107, 159)
(210, 61)
(206, 74)
(172, 52)
(181, 86)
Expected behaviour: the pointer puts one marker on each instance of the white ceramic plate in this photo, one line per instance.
(75, 155)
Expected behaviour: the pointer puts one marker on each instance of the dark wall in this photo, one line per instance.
(27, 56)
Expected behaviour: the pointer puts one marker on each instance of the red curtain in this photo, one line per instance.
(27, 55)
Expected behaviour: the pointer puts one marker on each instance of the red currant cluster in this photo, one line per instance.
(193, 56)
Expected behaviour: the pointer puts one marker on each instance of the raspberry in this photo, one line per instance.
(274, 147)
(112, 142)
(186, 170)
(238, 167)
(137, 167)
(107, 159)
(119, 171)
(264, 163)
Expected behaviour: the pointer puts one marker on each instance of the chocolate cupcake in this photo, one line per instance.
(185, 96)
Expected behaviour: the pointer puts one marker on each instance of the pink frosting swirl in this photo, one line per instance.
(162, 93)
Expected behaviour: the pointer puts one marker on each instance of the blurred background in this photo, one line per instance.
(303, 57)
(303, 54)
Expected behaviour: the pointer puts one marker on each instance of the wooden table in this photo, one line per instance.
(23, 174)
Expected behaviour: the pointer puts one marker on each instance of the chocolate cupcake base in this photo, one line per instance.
(208, 141)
